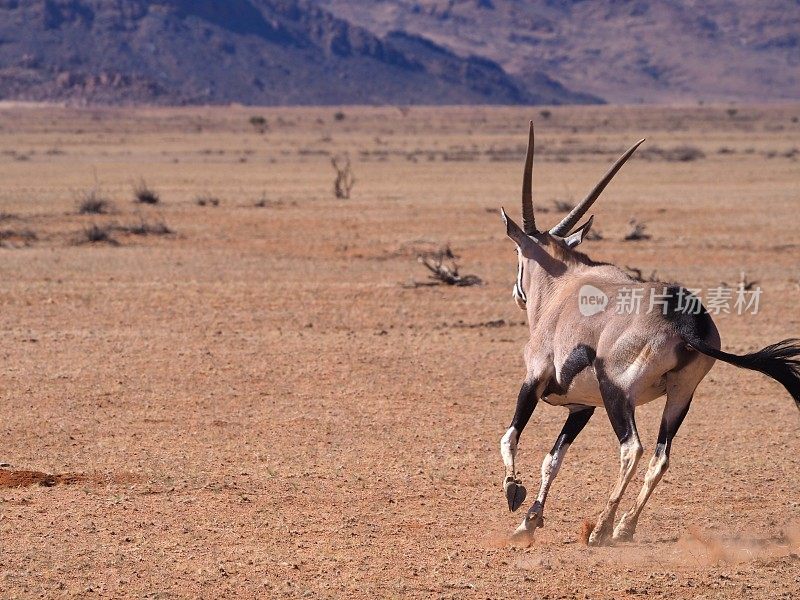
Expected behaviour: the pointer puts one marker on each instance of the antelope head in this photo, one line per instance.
(548, 249)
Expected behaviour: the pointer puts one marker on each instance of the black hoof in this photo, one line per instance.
(515, 494)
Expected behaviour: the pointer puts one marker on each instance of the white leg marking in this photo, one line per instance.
(508, 450)
(550, 467)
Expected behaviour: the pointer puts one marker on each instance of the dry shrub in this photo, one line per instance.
(144, 194)
(144, 227)
(636, 232)
(13, 238)
(744, 283)
(97, 234)
(345, 180)
(207, 200)
(636, 273)
(259, 123)
(444, 269)
(92, 203)
(682, 153)
(563, 206)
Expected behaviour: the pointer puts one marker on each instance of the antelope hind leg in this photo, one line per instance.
(680, 390)
(620, 407)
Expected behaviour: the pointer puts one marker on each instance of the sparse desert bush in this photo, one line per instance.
(563, 206)
(682, 153)
(339, 116)
(545, 114)
(744, 283)
(144, 194)
(10, 238)
(264, 202)
(460, 156)
(636, 273)
(92, 203)
(144, 227)
(444, 269)
(259, 123)
(685, 153)
(96, 234)
(636, 232)
(206, 200)
(345, 180)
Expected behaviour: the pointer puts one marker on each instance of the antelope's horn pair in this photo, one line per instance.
(566, 225)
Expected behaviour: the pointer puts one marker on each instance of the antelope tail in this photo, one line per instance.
(781, 361)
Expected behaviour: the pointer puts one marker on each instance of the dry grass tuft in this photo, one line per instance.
(207, 200)
(14, 238)
(345, 180)
(92, 203)
(682, 153)
(144, 227)
(636, 231)
(637, 274)
(144, 194)
(563, 206)
(97, 234)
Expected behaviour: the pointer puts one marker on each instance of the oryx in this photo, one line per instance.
(586, 355)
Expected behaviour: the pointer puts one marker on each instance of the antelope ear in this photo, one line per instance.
(577, 236)
(513, 230)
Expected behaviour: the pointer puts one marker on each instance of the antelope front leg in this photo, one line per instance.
(575, 423)
(512, 486)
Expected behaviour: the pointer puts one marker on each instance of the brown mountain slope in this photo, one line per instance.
(623, 51)
(249, 51)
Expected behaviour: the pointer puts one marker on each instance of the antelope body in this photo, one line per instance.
(583, 360)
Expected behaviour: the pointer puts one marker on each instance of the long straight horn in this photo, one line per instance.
(528, 220)
(574, 216)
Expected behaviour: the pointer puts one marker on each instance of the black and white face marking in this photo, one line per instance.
(519, 291)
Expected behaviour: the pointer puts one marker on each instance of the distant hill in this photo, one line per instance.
(399, 51)
(621, 50)
(248, 51)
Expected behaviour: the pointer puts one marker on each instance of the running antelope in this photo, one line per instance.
(587, 356)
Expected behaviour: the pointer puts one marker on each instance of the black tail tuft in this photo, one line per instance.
(781, 361)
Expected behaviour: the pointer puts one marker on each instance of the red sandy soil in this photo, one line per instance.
(258, 405)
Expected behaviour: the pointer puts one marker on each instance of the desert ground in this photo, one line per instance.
(244, 390)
